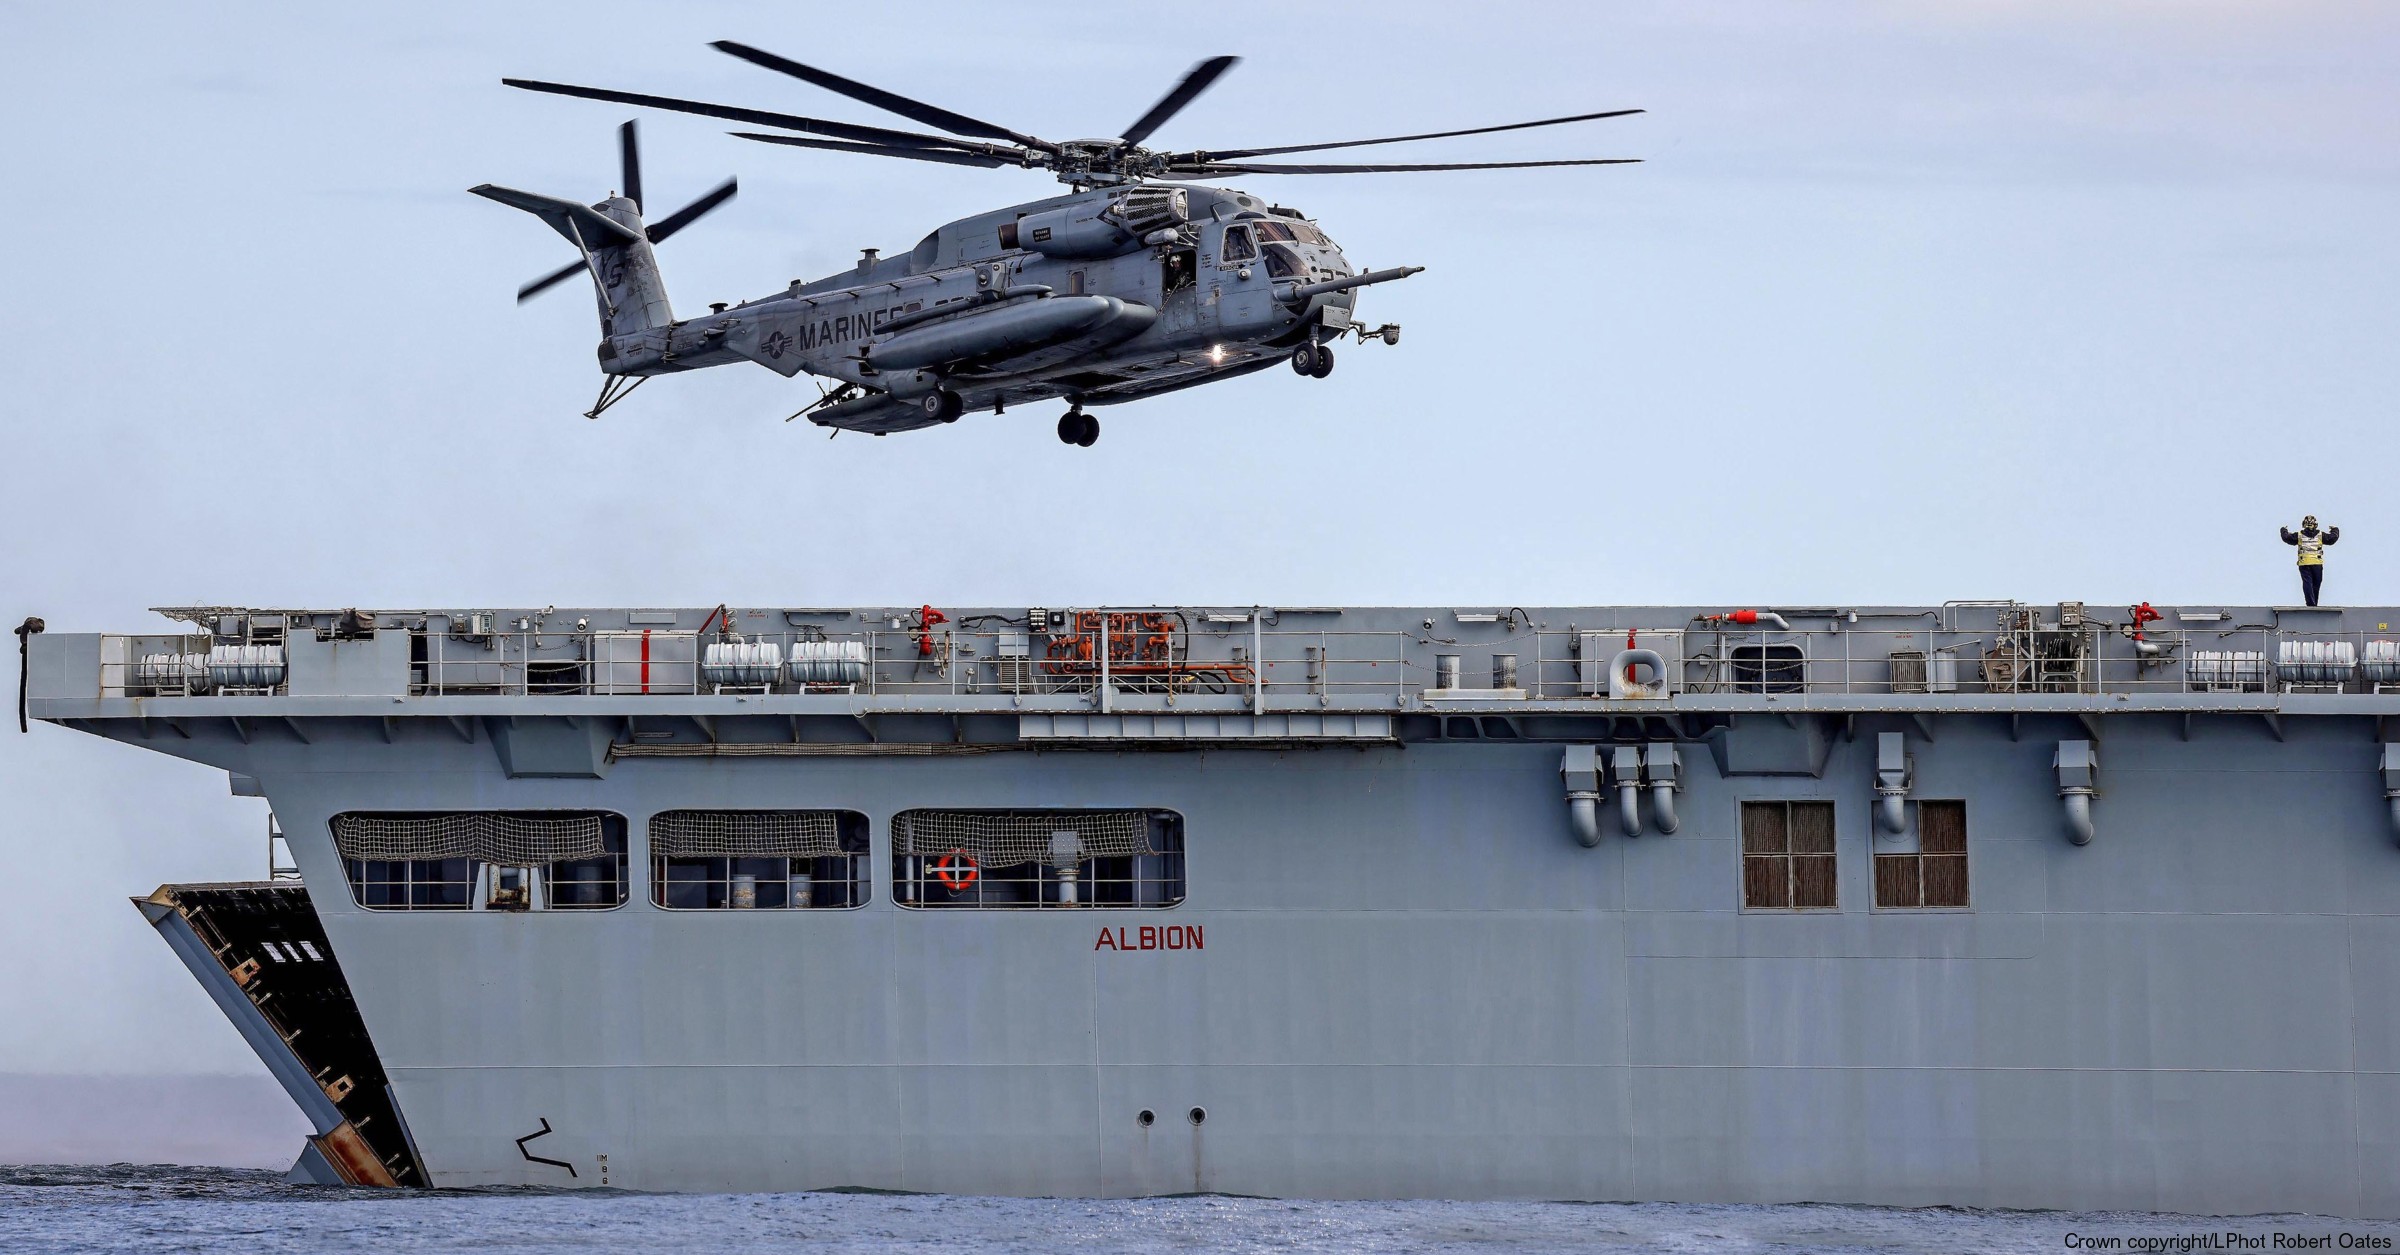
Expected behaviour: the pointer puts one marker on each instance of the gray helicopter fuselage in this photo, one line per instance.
(1050, 302)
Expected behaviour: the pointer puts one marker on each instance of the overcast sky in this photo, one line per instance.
(1909, 302)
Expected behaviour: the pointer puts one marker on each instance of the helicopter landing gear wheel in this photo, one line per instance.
(1324, 363)
(941, 406)
(1304, 359)
(1078, 428)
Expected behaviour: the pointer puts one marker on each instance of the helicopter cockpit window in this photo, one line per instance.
(1283, 263)
(1291, 233)
(1239, 246)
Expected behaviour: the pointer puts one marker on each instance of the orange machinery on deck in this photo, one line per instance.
(1143, 651)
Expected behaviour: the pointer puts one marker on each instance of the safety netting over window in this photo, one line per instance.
(1005, 838)
(746, 834)
(510, 838)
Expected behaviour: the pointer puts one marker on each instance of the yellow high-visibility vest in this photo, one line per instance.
(2312, 549)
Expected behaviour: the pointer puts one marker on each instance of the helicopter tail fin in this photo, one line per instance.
(615, 244)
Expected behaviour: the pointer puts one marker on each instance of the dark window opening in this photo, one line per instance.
(1499, 729)
(1038, 858)
(1460, 727)
(1936, 874)
(1179, 269)
(1239, 247)
(1788, 856)
(1283, 263)
(1768, 668)
(556, 676)
(758, 860)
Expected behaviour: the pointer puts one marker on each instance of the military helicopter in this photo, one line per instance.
(1133, 284)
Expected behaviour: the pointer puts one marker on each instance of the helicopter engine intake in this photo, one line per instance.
(1112, 228)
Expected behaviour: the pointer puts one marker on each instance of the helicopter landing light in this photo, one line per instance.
(1216, 354)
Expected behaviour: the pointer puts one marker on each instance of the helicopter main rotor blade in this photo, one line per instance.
(1238, 153)
(1206, 169)
(549, 281)
(1194, 83)
(891, 102)
(760, 117)
(946, 157)
(629, 159)
(693, 212)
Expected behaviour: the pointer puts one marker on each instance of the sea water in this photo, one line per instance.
(241, 1211)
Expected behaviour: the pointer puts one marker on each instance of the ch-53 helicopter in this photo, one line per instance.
(1123, 288)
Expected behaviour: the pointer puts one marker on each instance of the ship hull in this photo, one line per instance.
(1400, 976)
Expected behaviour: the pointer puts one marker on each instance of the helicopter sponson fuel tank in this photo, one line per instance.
(1141, 280)
(1009, 329)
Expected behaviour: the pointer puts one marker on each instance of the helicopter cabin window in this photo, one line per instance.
(1179, 269)
(1290, 233)
(758, 860)
(1030, 859)
(482, 860)
(1283, 263)
(1239, 247)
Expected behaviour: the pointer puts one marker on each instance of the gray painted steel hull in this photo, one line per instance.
(1414, 983)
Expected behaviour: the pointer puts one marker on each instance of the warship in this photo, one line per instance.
(1987, 904)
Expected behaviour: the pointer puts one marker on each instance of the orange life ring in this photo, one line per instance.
(956, 870)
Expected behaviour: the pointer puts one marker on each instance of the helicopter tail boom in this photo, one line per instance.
(615, 244)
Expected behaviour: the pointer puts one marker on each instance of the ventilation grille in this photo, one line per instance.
(1146, 209)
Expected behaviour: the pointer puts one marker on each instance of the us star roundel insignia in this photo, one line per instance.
(774, 345)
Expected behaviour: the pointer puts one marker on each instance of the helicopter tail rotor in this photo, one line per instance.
(620, 214)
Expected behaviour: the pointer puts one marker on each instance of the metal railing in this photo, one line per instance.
(1163, 658)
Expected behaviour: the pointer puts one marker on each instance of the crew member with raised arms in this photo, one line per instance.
(2311, 544)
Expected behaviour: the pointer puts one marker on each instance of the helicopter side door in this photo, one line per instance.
(1240, 299)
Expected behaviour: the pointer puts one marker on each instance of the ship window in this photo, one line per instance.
(1936, 874)
(1037, 858)
(482, 860)
(758, 860)
(1238, 245)
(1787, 856)
(1767, 668)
